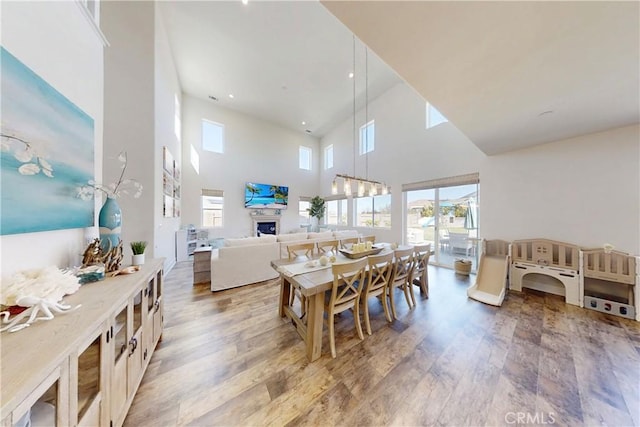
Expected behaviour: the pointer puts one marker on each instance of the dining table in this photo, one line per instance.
(312, 282)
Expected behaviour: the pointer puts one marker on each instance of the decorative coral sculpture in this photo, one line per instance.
(40, 290)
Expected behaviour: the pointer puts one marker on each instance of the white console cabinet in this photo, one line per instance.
(84, 367)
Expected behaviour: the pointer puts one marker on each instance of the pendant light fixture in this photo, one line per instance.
(349, 180)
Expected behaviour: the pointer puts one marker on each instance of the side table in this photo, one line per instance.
(202, 265)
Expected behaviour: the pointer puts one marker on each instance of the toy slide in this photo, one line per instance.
(489, 286)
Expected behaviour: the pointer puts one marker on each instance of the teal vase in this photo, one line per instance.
(110, 223)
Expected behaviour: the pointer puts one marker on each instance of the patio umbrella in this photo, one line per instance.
(470, 216)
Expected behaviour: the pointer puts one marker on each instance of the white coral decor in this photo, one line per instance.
(49, 283)
(39, 290)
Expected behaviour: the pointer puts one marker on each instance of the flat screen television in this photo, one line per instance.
(265, 196)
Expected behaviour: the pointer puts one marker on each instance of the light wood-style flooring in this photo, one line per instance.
(226, 358)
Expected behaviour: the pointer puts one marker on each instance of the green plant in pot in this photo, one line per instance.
(138, 252)
(316, 211)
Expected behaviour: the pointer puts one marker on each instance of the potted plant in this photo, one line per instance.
(316, 211)
(138, 252)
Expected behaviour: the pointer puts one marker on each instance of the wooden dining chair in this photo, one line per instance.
(327, 246)
(348, 242)
(378, 278)
(420, 276)
(402, 268)
(348, 280)
(297, 250)
(371, 239)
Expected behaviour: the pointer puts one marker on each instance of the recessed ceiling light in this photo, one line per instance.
(304, 123)
(245, 2)
(351, 75)
(231, 96)
(213, 98)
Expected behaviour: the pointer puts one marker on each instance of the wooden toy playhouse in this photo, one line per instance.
(610, 282)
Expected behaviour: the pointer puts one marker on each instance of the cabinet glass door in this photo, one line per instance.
(136, 344)
(89, 380)
(119, 373)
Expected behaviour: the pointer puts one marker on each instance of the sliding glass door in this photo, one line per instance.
(447, 218)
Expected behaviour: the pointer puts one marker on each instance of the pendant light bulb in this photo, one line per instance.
(373, 190)
(360, 189)
(347, 187)
(385, 190)
(334, 187)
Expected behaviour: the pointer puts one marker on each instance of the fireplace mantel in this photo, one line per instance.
(266, 218)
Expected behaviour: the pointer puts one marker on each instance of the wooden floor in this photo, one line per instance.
(226, 358)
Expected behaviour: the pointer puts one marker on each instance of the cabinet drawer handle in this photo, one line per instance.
(134, 344)
(157, 305)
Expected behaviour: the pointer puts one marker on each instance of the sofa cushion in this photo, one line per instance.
(345, 234)
(291, 237)
(247, 241)
(323, 235)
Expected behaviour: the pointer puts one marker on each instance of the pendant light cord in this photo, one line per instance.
(366, 108)
(354, 105)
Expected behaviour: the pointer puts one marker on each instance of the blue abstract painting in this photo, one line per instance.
(47, 154)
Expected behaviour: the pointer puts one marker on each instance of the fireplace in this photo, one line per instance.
(266, 224)
(266, 227)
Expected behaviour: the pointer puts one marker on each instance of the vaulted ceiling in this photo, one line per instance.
(511, 74)
(285, 62)
(507, 74)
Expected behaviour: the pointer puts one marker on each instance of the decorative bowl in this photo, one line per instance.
(355, 255)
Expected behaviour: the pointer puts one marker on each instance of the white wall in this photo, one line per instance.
(255, 151)
(129, 113)
(57, 42)
(167, 87)
(583, 190)
(404, 151)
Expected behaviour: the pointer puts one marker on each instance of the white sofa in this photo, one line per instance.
(243, 261)
(247, 260)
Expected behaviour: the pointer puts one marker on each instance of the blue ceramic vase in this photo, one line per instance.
(110, 223)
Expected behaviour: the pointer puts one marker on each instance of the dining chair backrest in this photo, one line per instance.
(300, 249)
(327, 246)
(371, 239)
(421, 254)
(420, 274)
(379, 273)
(348, 242)
(402, 265)
(348, 279)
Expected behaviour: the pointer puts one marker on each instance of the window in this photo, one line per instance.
(212, 208)
(303, 212)
(342, 212)
(93, 8)
(177, 121)
(336, 213)
(444, 213)
(434, 117)
(305, 158)
(328, 157)
(367, 137)
(373, 211)
(212, 136)
(195, 160)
